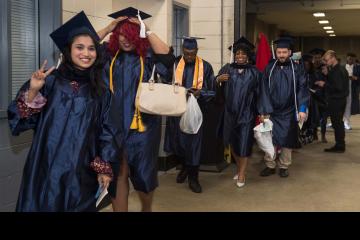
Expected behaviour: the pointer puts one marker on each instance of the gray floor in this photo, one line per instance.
(318, 181)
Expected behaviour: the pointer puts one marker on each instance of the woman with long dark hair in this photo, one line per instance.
(69, 111)
(129, 61)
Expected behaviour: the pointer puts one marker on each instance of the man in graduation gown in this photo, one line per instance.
(198, 77)
(284, 98)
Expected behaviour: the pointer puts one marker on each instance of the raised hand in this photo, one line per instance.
(114, 23)
(38, 78)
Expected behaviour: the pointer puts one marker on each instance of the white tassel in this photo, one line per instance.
(272, 49)
(232, 54)
(59, 61)
(142, 26)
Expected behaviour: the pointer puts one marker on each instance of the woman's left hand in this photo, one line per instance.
(104, 180)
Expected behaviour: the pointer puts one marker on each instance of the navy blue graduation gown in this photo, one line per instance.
(69, 132)
(141, 149)
(188, 146)
(238, 118)
(277, 98)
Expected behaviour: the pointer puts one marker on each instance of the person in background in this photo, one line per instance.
(337, 90)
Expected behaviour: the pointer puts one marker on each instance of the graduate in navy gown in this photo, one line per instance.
(197, 76)
(130, 59)
(239, 84)
(284, 97)
(74, 139)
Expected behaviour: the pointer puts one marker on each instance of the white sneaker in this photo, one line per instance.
(236, 177)
(347, 126)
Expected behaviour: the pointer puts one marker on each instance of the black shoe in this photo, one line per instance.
(195, 186)
(267, 172)
(183, 174)
(284, 172)
(335, 149)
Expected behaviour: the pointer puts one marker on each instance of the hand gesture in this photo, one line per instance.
(38, 78)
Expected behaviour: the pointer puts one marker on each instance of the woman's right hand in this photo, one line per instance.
(38, 78)
(114, 23)
(223, 78)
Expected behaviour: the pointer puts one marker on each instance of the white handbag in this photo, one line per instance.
(162, 99)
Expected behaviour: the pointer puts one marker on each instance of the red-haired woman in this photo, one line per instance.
(130, 60)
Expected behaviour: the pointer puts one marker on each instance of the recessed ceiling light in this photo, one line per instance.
(324, 22)
(330, 31)
(319, 14)
(327, 28)
(332, 35)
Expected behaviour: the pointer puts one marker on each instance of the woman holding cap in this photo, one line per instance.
(238, 84)
(131, 54)
(74, 141)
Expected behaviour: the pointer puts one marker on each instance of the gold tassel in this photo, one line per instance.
(134, 124)
(227, 154)
(141, 125)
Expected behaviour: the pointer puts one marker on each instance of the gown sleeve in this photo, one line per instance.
(110, 137)
(164, 65)
(24, 115)
(303, 94)
(208, 91)
(264, 102)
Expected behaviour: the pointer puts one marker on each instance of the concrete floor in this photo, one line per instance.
(318, 181)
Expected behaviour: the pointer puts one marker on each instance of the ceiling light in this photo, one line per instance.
(332, 35)
(324, 22)
(319, 14)
(327, 28)
(330, 31)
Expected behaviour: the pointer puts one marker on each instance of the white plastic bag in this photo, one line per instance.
(192, 119)
(263, 136)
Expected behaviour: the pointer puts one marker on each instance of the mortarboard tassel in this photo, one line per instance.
(142, 26)
(232, 55)
(59, 61)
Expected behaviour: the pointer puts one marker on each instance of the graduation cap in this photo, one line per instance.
(190, 42)
(77, 25)
(284, 42)
(136, 13)
(317, 51)
(130, 12)
(242, 42)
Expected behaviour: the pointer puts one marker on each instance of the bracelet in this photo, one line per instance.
(148, 33)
